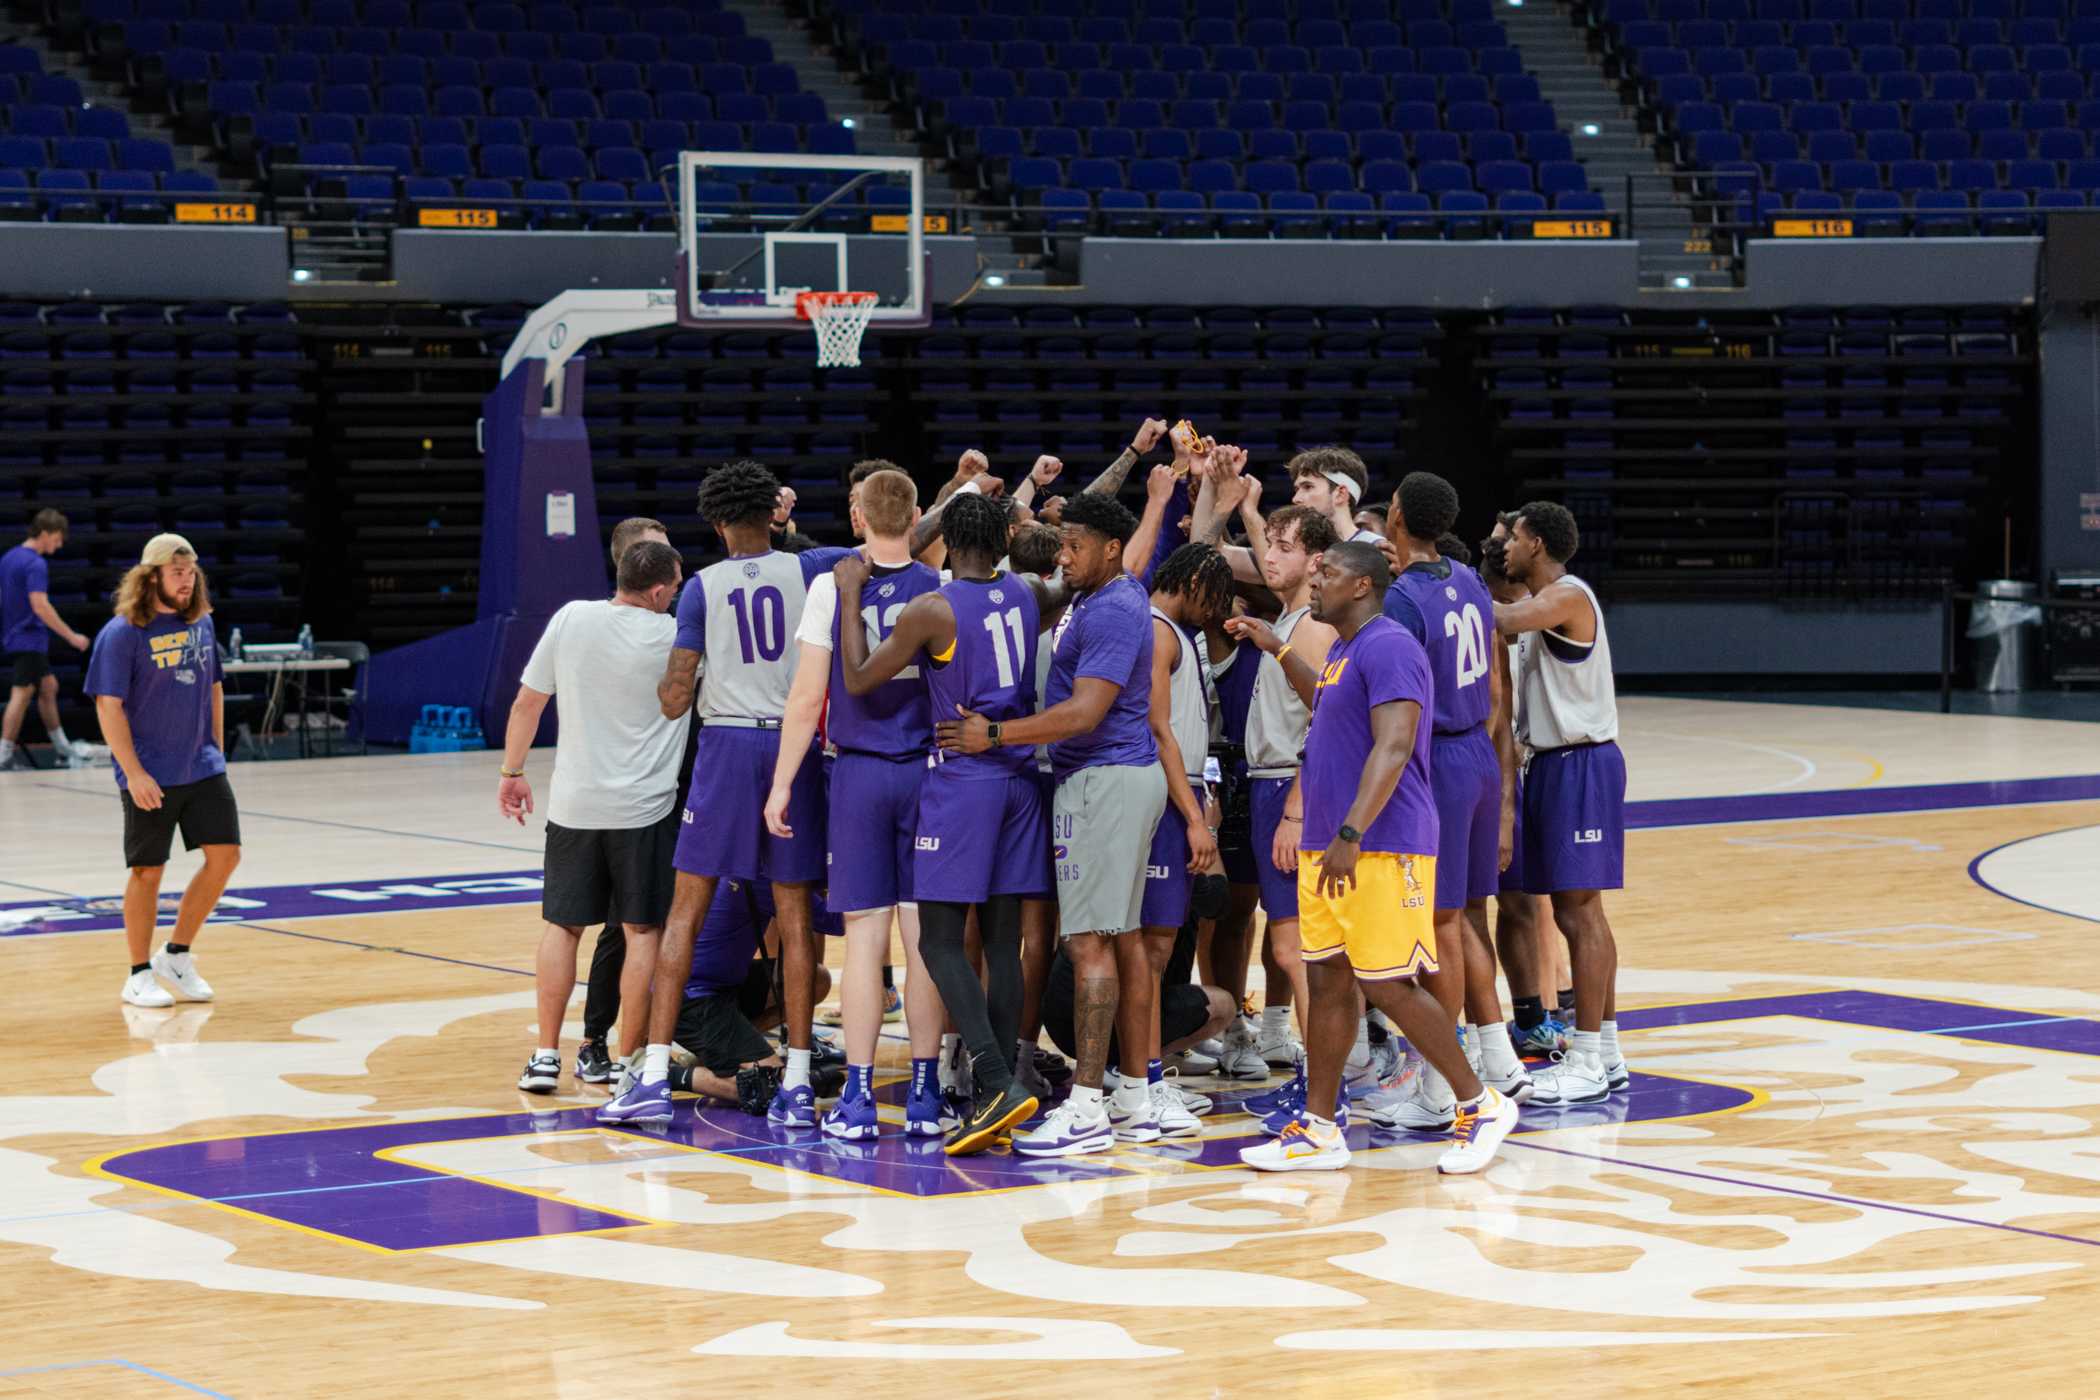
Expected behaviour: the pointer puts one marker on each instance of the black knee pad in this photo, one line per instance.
(1208, 898)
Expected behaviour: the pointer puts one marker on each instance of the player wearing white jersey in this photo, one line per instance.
(1574, 786)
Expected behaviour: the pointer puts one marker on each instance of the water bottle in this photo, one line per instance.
(233, 645)
(306, 640)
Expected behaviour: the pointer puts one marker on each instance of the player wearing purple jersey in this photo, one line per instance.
(1445, 607)
(739, 614)
(882, 739)
(980, 835)
(1368, 871)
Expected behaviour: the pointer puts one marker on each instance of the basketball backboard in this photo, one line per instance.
(757, 228)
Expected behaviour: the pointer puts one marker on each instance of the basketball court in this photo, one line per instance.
(1864, 1129)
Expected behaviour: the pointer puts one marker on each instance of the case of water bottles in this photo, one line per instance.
(446, 729)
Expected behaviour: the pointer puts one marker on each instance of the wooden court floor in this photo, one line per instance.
(1861, 1153)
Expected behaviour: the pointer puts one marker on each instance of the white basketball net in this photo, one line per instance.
(840, 319)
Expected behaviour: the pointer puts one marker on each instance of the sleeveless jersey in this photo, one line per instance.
(1188, 711)
(893, 719)
(1565, 693)
(1232, 681)
(1276, 718)
(741, 614)
(990, 670)
(1446, 608)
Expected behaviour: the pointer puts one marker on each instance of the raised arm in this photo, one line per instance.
(1224, 489)
(1159, 490)
(1552, 607)
(1148, 435)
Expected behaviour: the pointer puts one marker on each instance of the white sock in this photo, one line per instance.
(797, 1070)
(59, 739)
(7, 749)
(1496, 1052)
(1111, 1081)
(1087, 1101)
(656, 1064)
(1275, 1020)
(1608, 1041)
(1132, 1094)
(1583, 1045)
(547, 1052)
(1320, 1124)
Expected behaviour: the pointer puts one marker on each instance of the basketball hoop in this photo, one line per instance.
(840, 319)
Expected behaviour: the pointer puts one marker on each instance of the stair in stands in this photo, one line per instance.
(1622, 166)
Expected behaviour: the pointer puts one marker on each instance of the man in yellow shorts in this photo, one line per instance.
(1367, 871)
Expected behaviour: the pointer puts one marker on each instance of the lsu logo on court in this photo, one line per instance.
(927, 843)
(1590, 836)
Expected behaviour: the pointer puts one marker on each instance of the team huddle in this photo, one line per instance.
(1067, 752)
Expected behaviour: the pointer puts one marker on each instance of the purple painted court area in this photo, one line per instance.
(270, 902)
(1858, 802)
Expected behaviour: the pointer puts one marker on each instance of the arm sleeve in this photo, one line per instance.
(816, 562)
(692, 617)
(819, 611)
(1401, 607)
(1111, 641)
(539, 670)
(38, 579)
(109, 667)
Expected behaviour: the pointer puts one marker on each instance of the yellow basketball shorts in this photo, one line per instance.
(1385, 927)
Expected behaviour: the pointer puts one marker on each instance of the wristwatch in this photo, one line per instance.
(991, 731)
(1349, 833)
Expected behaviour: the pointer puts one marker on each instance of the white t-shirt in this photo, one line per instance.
(819, 610)
(616, 757)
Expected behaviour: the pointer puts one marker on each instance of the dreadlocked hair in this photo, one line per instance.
(1103, 514)
(739, 492)
(1198, 573)
(976, 524)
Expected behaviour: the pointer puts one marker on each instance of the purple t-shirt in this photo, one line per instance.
(992, 669)
(23, 571)
(1381, 664)
(1106, 635)
(1447, 609)
(163, 672)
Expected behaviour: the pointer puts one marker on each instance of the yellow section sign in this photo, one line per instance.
(1811, 228)
(456, 218)
(1571, 228)
(214, 213)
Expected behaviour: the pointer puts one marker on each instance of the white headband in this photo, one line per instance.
(1347, 483)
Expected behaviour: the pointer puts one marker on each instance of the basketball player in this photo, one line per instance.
(1109, 799)
(1444, 606)
(1367, 872)
(1524, 939)
(731, 998)
(882, 738)
(1332, 481)
(1225, 952)
(154, 674)
(1292, 653)
(981, 835)
(1192, 590)
(1574, 785)
(739, 614)
(1033, 549)
(612, 803)
(601, 1002)
(27, 621)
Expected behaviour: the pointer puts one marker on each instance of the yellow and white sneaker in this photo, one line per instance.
(1477, 1129)
(1300, 1147)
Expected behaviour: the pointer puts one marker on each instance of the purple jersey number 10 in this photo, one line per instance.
(763, 629)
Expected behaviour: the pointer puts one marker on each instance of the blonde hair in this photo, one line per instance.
(887, 499)
(139, 594)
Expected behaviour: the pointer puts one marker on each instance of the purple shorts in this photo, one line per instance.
(1466, 780)
(1279, 888)
(979, 837)
(1167, 880)
(1512, 880)
(723, 831)
(874, 811)
(1575, 819)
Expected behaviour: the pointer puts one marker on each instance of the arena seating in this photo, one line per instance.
(568, 117)
(1300, 120)
(64, 158)
(1939, 117)
(133, 419)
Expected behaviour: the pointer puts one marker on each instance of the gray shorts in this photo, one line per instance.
(1101, 830)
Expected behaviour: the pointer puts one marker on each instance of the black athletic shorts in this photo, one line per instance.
(591, 874)
(28, 667)
(1183, 1008)
(203, 811)
(718, 1029)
